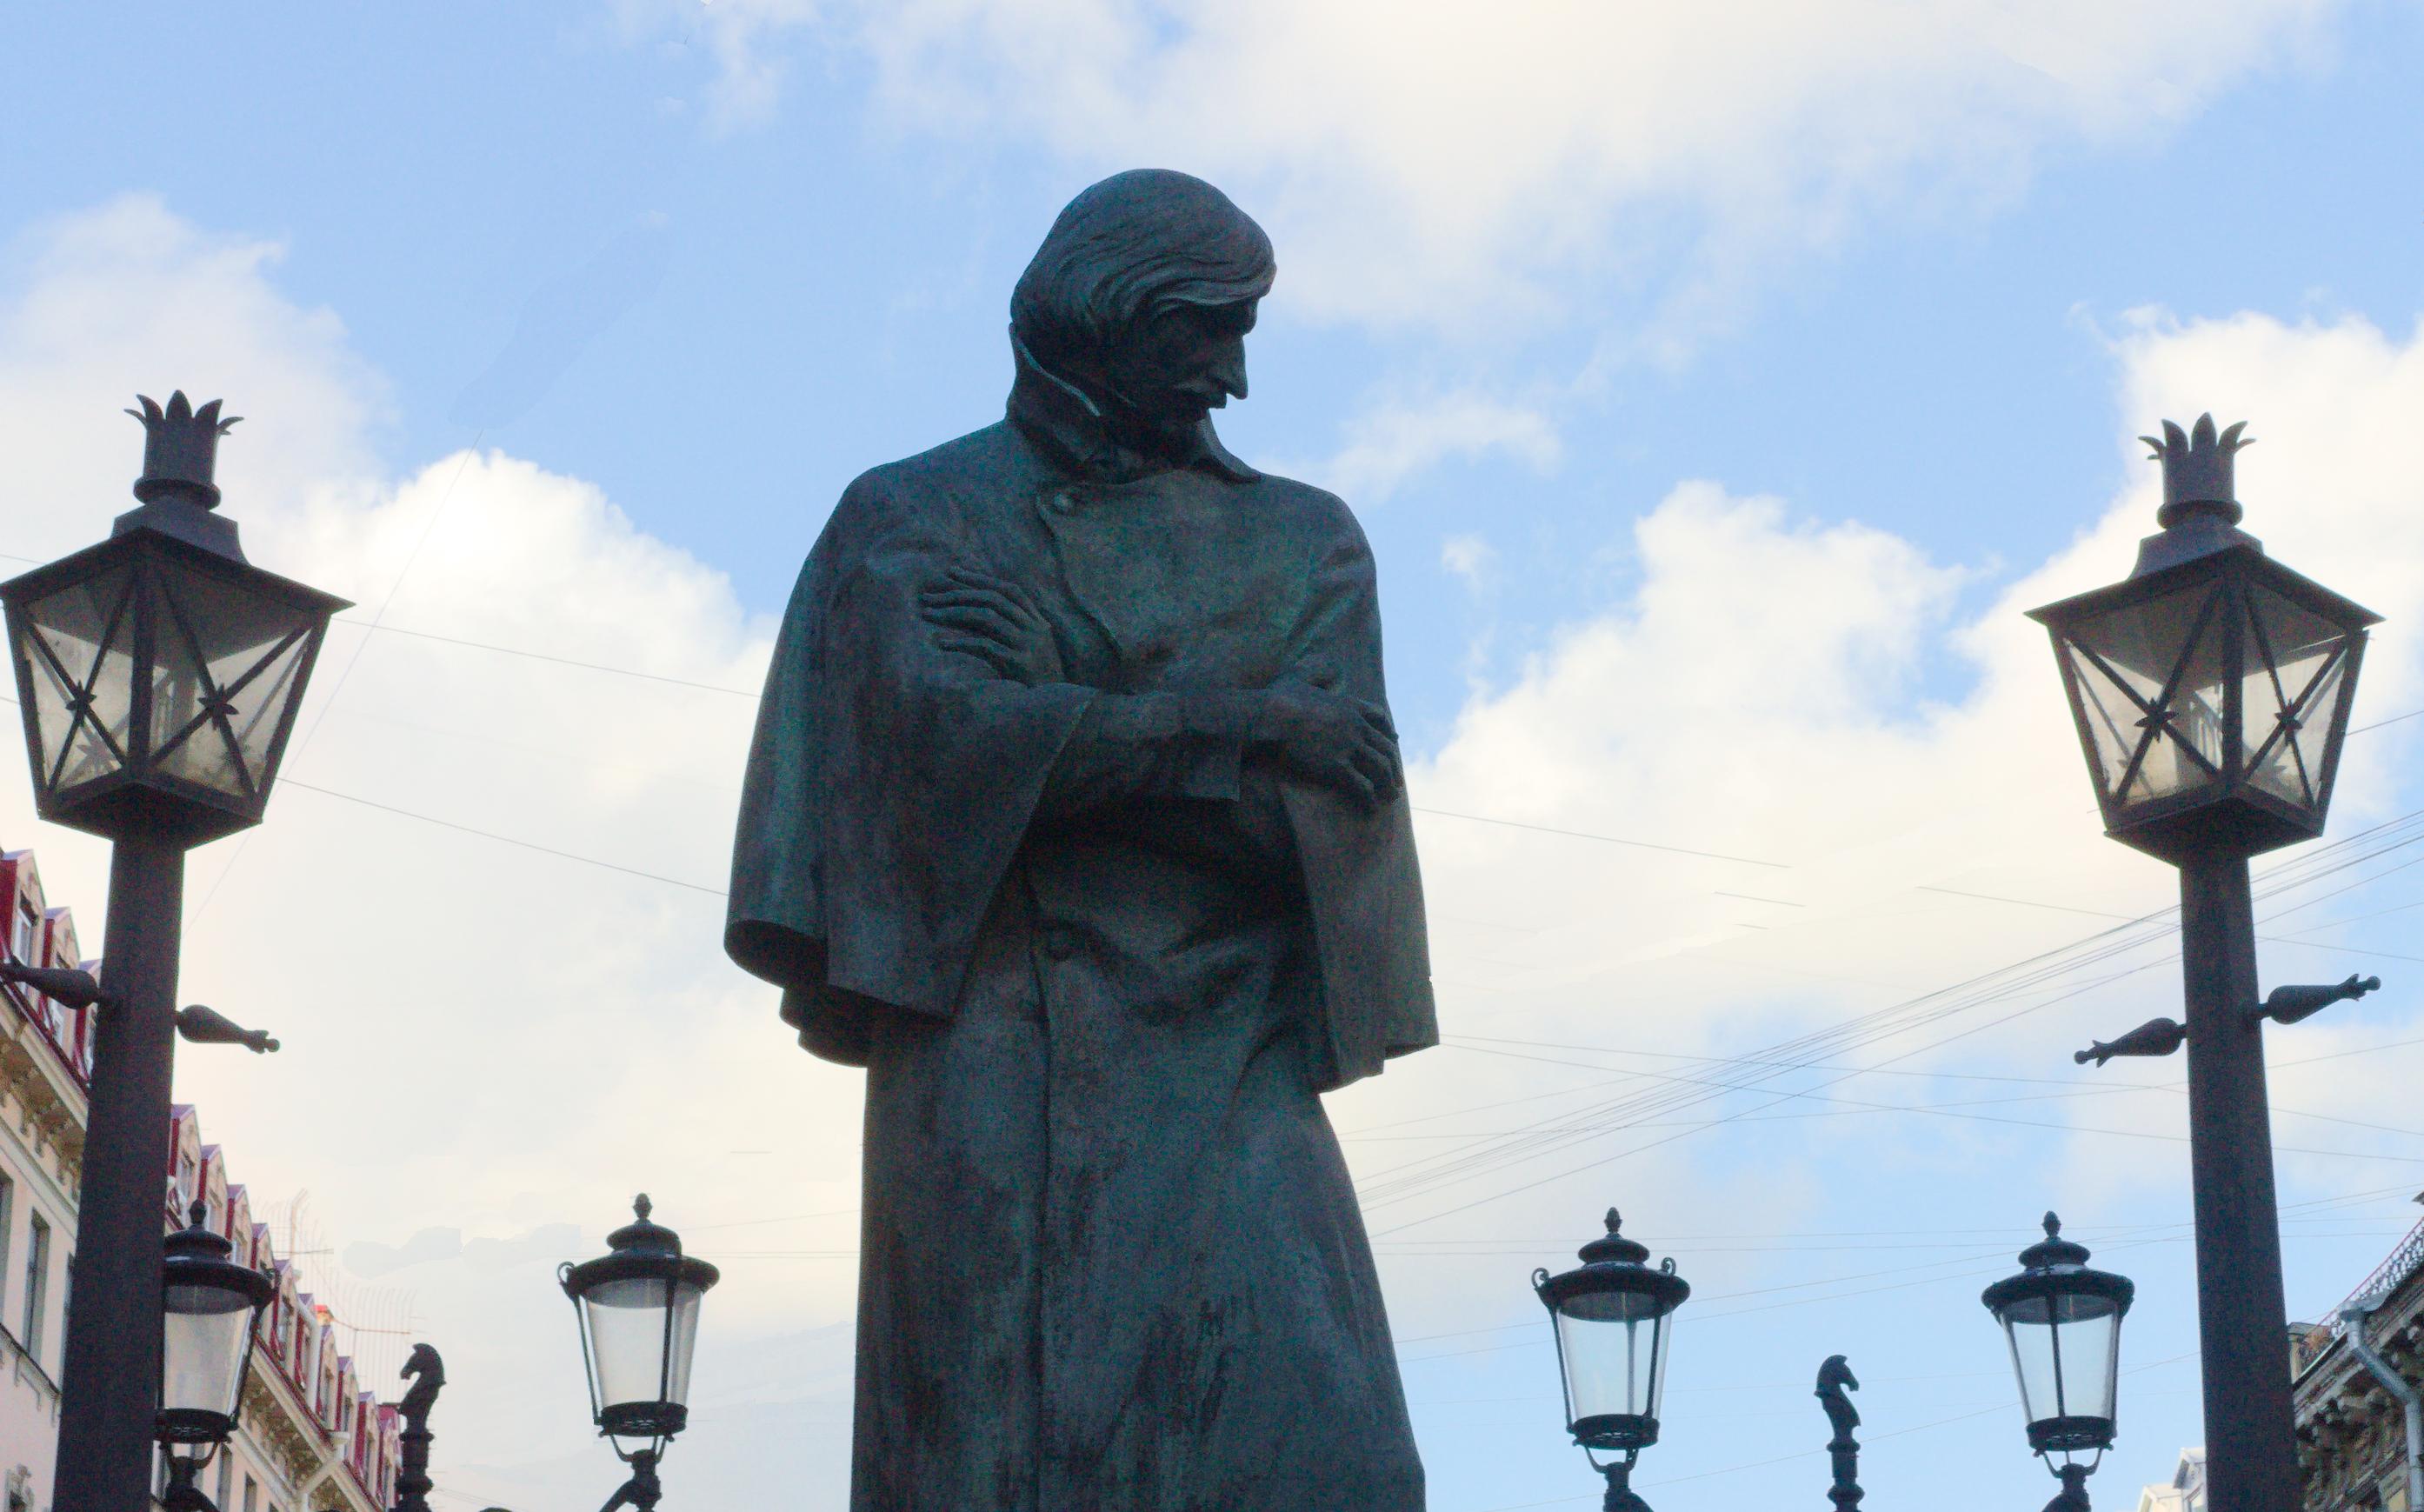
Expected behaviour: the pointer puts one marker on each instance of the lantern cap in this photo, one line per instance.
(181, 447)
(2058, 1267)
(2201, 511)
(1613, 1264)
(198, 1241)
(1613, 1246)
(642, 1248)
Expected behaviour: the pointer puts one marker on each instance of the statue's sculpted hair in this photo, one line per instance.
(1128, 246)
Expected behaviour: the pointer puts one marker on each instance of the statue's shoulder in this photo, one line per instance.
(991, 454)
(1317, 512)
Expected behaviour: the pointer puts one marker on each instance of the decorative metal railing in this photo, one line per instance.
(2402, 1261)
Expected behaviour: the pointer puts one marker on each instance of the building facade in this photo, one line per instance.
(2183, 1493)
(311, 1439)
(2352, 1432)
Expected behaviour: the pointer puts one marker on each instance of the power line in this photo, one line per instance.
(558, 660)
(505, 839)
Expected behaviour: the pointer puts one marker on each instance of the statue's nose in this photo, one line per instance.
(1230, 369)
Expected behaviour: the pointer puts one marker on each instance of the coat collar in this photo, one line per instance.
(1070, 426)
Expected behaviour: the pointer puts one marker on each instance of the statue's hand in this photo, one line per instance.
(1331, 738)
(994, 621)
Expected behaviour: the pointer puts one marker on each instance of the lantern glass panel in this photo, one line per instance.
(225, 663)
(1614, 1348)
(2154, 679)
(208, 1328)
(2296, 680)
(2067, 1351)
(627, 1340)
(80, 644)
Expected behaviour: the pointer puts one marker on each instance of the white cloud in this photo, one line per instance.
(1399, 439)
(1456, 161)
(1472, 558)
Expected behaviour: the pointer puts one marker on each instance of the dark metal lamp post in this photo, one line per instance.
(2063, 1320)
(213, 1310)
(159, 675)
(2211, 692)
(638, 1308)
(1614, 1317)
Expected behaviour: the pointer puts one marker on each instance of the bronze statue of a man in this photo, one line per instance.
(1075, 816)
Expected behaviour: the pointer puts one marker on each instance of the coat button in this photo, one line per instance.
(1063, 501)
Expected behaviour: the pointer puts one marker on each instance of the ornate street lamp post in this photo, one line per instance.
(2063, 1321)
(159, 673)
(212, 1315)
(1613, 1316)
(638, 1309)
(2211, 692)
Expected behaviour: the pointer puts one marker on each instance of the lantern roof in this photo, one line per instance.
(2058, 1267)
(1614, 1262)
(643, 1248)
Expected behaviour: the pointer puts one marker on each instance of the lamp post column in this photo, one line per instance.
(2242, 1318)
(111, 1377)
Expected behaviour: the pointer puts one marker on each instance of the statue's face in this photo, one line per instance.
(1182, 362)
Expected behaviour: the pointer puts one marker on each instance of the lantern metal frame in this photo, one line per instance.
(1611, 1264)
(139, 795)
(640, 1250)
(199, 1257)
(2052, 1270)
(2201, 548)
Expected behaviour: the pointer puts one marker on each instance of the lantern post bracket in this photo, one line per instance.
(198, 1025)
(2288, 1005)
(2155, 1037)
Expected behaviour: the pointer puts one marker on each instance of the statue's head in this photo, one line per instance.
(1143, 293)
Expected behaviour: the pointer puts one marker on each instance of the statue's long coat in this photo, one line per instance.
(1098, 962)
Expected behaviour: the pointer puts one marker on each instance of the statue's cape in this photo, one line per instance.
(891, 785)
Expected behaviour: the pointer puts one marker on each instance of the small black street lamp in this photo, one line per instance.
(212, 1314)
(2063, 1321)
(1614, 1317)
(2211, 692)
(158, 674)
(638, 1309)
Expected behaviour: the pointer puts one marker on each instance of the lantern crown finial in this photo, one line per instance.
(196, 1211)
(642, 1207)
(181, 446)
(1613, 1246)
(2198, 471)
(2053, 1249)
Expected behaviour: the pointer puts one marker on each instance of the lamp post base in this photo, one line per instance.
(2073, 1495)
(2243, 1319)
(642, 1491)
(1619, 1489)
(109, 1383)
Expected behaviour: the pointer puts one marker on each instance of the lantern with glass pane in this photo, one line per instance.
(213, 1314)
(638, 1308)
(159, 671)
(1614, 1317)
(2063, 1321)
(2211, 687)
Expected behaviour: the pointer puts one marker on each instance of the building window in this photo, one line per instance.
(28, 923)
(8, 1228)
(38, 1271)
(226, 1476)
(251, 1494)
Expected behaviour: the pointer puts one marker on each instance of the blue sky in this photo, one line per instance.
(1713, 402)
